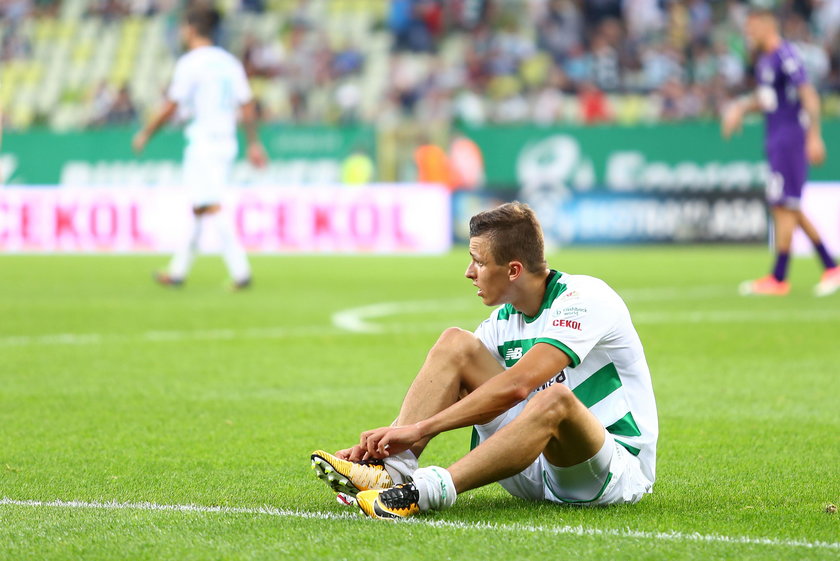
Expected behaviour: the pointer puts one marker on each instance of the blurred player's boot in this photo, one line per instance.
(829, 283)
(767, 286)
(240, 285)
(350, 478)
(165, 279)
(397, 502)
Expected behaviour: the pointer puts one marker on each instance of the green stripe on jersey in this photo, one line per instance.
(573, 357)
(625, 426)
(632, 449)
(598, 386)
(512, 351)
(553, 290)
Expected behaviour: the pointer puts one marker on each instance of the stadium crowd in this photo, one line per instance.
(480, 61)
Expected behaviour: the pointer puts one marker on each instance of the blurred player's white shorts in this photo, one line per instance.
(207, 171)
(612, 476)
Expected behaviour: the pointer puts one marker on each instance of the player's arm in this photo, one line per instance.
(255, 150)
(733, 114)
(491, 399)
(161, 116)
(814, 145)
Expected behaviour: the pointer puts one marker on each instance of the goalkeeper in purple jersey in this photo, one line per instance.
(792, 141)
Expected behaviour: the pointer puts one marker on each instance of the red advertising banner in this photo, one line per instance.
(372, 219)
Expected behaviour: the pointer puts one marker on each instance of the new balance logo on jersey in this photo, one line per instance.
(514, 353)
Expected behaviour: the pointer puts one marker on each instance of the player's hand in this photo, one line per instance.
(257, 155)
(138, 143)
(732, 120)
(353, 454)
(386, 441)
(815, 149)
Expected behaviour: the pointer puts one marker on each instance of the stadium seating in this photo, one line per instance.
(62, 63)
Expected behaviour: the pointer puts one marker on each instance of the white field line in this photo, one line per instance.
(348, 322)
(467, 526)
(360, 320)
(357, 320)
(162, 336)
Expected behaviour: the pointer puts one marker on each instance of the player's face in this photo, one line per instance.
(187, 32)
(492, 279)
(756, 30)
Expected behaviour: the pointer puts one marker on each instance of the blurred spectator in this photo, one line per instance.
(415, 23)
(433, 164)
(102, 98)
(472, 61)
(262, 59)
(15, 11)
(358, 168)
(122, 110)
(594, 105)
(596, 11)
(643, 18)
(467, 163)
(561, 30)
(15, 46)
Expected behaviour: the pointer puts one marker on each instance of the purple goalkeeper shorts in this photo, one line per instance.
(788, 171)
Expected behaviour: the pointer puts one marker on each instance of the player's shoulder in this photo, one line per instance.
(583, 288)
(501, 313)
(788, 49)
(584, 283)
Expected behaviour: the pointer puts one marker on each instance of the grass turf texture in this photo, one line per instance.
(197, 396)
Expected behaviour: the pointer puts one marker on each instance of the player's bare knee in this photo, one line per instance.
(553, 405)
(458, 343)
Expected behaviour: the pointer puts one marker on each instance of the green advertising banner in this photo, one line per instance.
(655, 158)
(299, 155)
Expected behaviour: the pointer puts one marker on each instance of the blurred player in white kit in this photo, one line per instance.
(209, 86)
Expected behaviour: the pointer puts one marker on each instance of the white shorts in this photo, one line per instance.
(207, 170)
(611, 476)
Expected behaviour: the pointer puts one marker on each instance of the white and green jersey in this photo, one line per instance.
(588, 321)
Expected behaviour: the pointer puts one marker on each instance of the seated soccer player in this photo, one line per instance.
(555, 384)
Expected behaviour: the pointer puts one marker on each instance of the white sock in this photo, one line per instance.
(183, 258)
(401, 466)
(437, 491)
(232, 251)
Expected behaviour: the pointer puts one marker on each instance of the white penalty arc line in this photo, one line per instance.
(478, 526)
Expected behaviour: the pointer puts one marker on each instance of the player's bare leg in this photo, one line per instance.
(456, 365)
(785, 221)
(554, 423)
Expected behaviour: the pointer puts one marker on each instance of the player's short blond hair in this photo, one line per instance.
(514, 234)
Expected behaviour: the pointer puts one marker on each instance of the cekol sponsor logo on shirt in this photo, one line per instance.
(567, 323)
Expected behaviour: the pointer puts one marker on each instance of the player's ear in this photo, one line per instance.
(515, 270)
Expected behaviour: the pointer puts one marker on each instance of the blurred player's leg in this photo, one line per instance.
(830, 280)
(774, 284)
(233, 253)
(179, 266)
(785, 221)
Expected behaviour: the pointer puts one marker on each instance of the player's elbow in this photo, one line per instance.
(517, 393)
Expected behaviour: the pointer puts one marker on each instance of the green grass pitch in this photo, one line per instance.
(114, 390)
